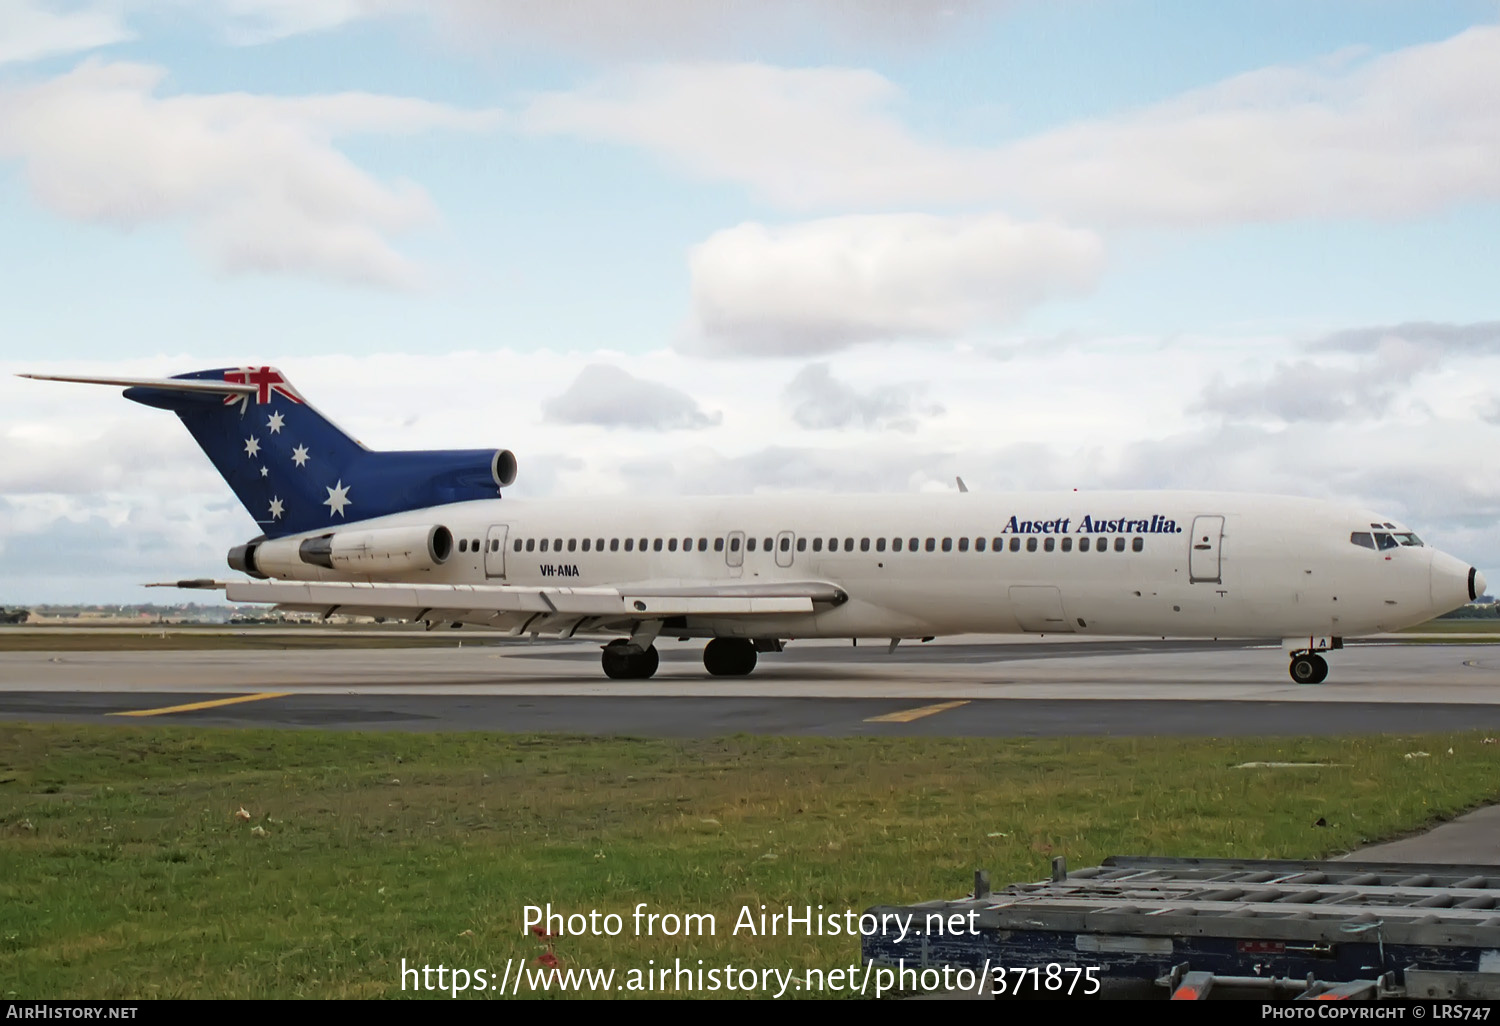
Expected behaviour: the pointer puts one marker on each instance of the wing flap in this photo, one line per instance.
(479, 601)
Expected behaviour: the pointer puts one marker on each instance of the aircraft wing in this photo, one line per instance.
(537, 609)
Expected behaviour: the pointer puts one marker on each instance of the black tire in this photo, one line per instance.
(729, 657)
(616, 661)
(646, 663)
(1309, 668)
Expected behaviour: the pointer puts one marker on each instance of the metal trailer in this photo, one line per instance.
(1195, 928)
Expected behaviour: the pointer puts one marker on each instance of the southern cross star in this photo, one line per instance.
(338, 498)
(275, 423)
(299, 455)
(252, 446)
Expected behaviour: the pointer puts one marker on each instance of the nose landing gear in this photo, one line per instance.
(1309, 668)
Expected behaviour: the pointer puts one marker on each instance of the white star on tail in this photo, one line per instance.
(276, 508)
(275, 423)
(265, 471)
(299, 455)
(252, 446)
(338, 498)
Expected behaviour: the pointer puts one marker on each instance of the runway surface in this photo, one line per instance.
(992, 687)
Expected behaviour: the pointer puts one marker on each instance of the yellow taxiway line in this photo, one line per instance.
(191, 706)
(907, 715)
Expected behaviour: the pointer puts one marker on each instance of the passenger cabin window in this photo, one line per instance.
(931, 544)
(768, 545)
(1385, 541)
(718, 544)
(999, 545)
(463, 545)
(656, 545)
(687, 545)
(817, 544)
(629, 544)
(801, 544)
(978, 544)
(947, 544)
(614, 545)
(1083, 544)
(963, 545)
(749, 544)
(879, 544)
(530, 544)
(911, 544)
(572, 544)
(895, 544)
(1049, 543)
(1119, 544)
(864, 545)
(544, 544)
(517, 546)
(1067, 544)
(1015, 545)
(643, 545)
(734, 545)
(702, 544)
(1363, 538)
(557, 545)
(598, 544)
(786, 545)
(1137, 544)
(671, 544)
(1030, 544)
(585, 544)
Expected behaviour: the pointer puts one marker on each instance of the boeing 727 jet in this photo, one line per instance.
(427, 536)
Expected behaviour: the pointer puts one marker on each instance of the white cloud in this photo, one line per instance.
(607, 396)
(30, 30)
(822, 285)
(821, 402)
(256, 179)
(1389, 136)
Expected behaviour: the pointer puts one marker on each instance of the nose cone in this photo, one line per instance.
(1454, 583)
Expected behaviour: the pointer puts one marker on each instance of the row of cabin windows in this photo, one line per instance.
(1047, 544)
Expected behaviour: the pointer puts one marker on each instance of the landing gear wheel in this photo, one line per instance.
(620, 663)
(729, 657)
(1309, 668)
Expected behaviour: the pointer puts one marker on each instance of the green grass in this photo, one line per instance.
(124, 872)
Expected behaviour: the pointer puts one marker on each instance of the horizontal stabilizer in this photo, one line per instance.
(168, 384)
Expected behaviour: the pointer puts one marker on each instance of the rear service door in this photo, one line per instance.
(1204, 552)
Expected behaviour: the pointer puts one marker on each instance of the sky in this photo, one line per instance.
(675, 247)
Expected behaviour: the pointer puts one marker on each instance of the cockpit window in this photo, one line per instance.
(1384, 541)
(1362, 538)
(1407, 538)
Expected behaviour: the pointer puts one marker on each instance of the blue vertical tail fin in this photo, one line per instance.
(293, 469)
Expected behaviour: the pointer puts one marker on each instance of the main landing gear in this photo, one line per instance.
(1309, 668)
(624, 661)
(729, 657)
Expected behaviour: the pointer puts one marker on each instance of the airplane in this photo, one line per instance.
(426, 536)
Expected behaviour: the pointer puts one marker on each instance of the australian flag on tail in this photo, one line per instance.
(292, 468)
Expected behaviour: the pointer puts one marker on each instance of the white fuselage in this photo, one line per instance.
(1155, 563)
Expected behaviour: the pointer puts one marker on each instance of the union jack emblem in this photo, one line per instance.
(268, 382)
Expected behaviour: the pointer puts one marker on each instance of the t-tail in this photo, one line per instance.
(292, 468)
